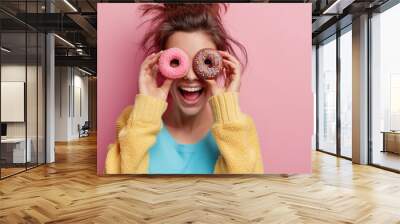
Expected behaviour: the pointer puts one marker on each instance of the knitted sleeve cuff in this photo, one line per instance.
(225, 107)
(147, 109)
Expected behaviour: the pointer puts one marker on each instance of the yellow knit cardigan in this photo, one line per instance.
(138, 126)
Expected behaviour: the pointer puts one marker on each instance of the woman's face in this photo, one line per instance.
(190, 93)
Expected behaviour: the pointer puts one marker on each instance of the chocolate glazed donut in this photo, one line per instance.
(207, 63)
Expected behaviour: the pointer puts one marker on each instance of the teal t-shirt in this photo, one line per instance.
(170, 157)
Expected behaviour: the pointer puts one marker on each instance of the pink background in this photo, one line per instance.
(276, 86)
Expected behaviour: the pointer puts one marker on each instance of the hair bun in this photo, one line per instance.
(166, 11)
(176, 9)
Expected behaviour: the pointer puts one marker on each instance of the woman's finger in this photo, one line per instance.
(230, 57)
(232, 67)
(151, 60)
(215, 89)
(154, 59)
(154, 71)
(166, 86)
(228, 81)
(221, 80)
(212, 84)
(147, 60)
(233, 77)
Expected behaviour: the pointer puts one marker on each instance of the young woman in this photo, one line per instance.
(187, 125)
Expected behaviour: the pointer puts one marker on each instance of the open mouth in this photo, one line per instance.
(190, 94)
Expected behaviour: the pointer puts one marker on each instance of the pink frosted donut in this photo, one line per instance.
(173, 63)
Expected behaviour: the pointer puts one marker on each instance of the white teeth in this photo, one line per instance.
(191, 89)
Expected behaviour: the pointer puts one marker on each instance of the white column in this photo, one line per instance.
(360, 90)
(50, 91)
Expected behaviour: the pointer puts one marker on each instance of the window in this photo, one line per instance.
(327, 96)
(314, 88)
(385, 89)
(346, 93)
(394, 102)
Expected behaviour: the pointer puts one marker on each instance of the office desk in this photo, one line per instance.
(13, 150)
(391, 141)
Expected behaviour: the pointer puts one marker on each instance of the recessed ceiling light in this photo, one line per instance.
(84, 71)
(64, 40)
(5, 50)
(338, 6)
(70, 5)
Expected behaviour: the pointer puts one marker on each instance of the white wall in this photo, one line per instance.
(71, 93)
(62, 78)
(79, 117)
(12, 73)
(16, 73)
(12, 101)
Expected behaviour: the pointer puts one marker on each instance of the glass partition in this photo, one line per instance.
(14, 153)
(22, 88)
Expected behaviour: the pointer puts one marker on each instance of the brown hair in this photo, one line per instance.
(188, 17)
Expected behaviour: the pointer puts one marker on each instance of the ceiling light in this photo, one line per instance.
(84, 71)
(337, 7)
(70, 5)
(65, 41)
(79, 51)
(5, 50)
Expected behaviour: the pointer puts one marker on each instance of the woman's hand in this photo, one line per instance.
(233, 72)
(148, 78)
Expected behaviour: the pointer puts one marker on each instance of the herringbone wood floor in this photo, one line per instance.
(70, 192)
